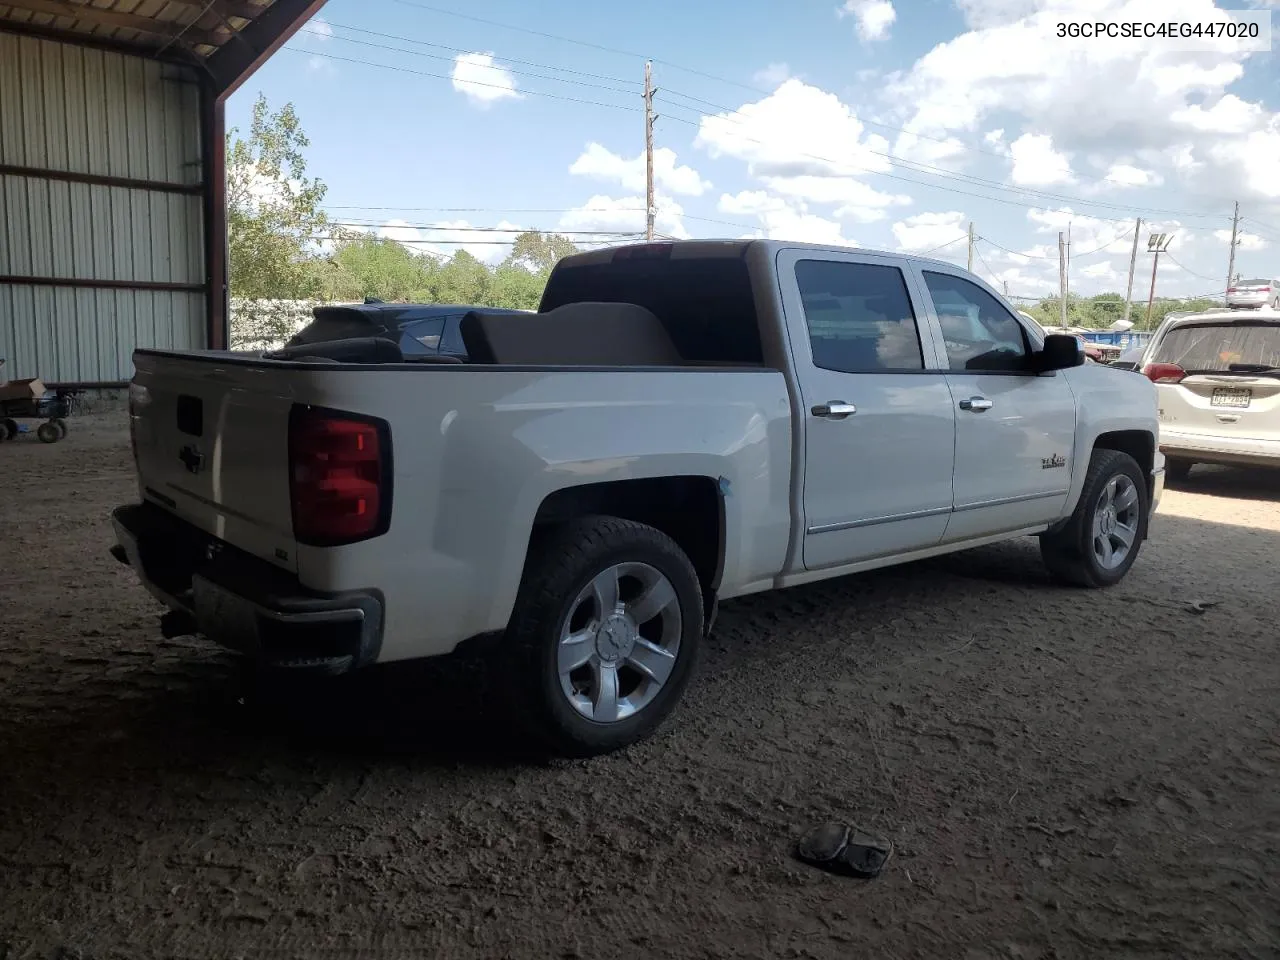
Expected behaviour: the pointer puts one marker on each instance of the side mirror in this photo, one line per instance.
(1061, 351)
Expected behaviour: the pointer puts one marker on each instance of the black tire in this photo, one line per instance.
(62, 427)
(561, 563)
(9, 428)
(48, 433)
(1177, 470)
(1068, 553)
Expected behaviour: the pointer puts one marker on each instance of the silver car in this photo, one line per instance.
(1254, 293)
(1217, 378)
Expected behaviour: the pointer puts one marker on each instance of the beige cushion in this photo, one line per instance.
(577, 334)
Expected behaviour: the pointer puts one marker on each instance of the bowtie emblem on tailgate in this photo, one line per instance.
(191, 458)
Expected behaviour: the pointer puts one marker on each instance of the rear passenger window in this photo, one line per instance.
(859, 317)
(421, 337)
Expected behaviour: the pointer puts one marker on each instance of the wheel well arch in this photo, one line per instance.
(1136, 443)
(688, 509)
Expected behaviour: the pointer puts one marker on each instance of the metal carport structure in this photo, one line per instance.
(113, 175)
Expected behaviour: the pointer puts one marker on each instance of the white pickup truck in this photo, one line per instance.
(679, 424)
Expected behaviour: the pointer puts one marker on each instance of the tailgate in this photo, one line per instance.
(1226, 405)
(211, 443)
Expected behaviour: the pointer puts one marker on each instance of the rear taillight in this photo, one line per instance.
(139, 398)
(1164, 373)
(339, 476)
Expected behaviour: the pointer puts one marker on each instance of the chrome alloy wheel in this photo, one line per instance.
(1116, 519)
(619, 642)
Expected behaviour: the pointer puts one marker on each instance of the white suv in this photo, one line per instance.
(1254, 293)
(1217, 378)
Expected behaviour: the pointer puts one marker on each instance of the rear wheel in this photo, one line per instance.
(48, 433)
(604, 634)
(8, 429)
(61, 425)
(1176, 470)
(1102, 539)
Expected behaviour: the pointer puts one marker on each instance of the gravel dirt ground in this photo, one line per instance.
(1064, 774)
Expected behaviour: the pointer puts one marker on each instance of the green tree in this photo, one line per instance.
(274, 221)
(367, 266)
(538, 252)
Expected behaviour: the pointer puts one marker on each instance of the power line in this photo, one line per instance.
(1186, 268)
(443, 46)
(967, 179)
(700, 73)
(473, 83)
(635, 235)
(437, 56)
(330, 206)
(991, 273)
(1074, 256)
(913, 166)
(471, 229)
(963, 236)
(580, 43)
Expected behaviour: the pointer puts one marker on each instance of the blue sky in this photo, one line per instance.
(879, 123)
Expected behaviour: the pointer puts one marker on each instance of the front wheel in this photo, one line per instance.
(604, 634)
(1102, 539)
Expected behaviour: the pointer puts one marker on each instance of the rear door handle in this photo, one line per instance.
(976, 404)
(834, 410)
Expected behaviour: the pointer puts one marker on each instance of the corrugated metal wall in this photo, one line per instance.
(75, 111)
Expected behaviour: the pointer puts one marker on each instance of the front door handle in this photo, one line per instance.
(976, 404)
(834, 410)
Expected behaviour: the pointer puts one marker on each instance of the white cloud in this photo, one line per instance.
(861, 202)
(1228, 115)
(774, 75)
(1127, 175)
(320, 28)
(944, 152)
(795, 131)
(783, 219)
(1036, 163)
(1113, 98)
(750, 203)
(1251, 161)
(924, 231)
(994, 138)
(476, 76)
(603, 164)
(1103, 272)
(873, 17)
(626, 215)
(790, 223)
(1248, 242)
(446, 237)
(1090, 233)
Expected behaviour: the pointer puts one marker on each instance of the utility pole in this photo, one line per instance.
(1133, 263)
(649, 117)
(1006, 289)
(1067, 286)
(1062, 275)
(1235, 229)
(1157, 243)
(971, 239)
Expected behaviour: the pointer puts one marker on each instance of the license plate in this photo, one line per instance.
(1230, 397)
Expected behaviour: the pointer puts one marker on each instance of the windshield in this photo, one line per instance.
(1214, 348)
(1253, 283)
